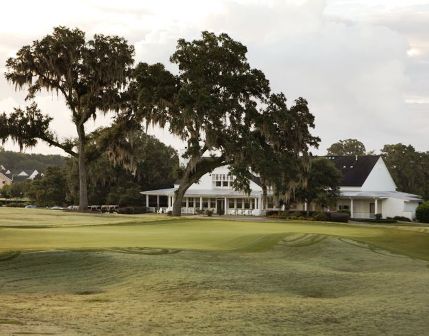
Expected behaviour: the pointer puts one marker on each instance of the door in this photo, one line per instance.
(220, 205)
(371, 210)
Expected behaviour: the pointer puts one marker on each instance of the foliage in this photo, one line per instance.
(21, 161)
(322, 185)
(214, 104)
(347, 147)
(422, 212)
(156, 167)
(91, 76)
(49, 190)
(16, 189)
(409, 168)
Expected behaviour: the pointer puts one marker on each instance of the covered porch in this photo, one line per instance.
(361, 208)
(221, 202)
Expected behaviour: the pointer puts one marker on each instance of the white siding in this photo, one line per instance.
(379, 179)
(397, 207)
(205, 182)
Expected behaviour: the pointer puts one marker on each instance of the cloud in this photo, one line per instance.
(361, 64)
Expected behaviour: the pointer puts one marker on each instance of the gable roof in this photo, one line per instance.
(5, 176)
(355, 169)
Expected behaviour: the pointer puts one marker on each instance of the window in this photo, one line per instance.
(343, 207)
(197, 203)
(191, 202)
(246, 203)
(205, 203)
(183, 203)
(213, 203)
(231, 204)
(222, 180)
(239, 203)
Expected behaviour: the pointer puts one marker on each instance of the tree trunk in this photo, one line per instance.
(178, 197)
(83, 184)
(264, 196)
(191, 175)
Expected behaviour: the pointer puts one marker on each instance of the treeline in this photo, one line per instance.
(408, 167)
(16, 161)
(157, 166)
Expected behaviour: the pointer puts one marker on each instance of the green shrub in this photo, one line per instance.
(422, 212)
(338, 217)
(320, 216)
(209, 213)
(401, 218)
(378, 216)
(15, 205)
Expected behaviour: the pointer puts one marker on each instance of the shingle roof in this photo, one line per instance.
(355, 169)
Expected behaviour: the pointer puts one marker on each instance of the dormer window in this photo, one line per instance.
(222, 180)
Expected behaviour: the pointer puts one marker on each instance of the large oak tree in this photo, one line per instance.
(215, 104)
(92, 76)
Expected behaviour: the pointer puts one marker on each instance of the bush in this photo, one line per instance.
(272, 213)
(15, 205)
(342, 217)
(378, 216)
(422, 212)
(169, 213)
(320, 216)
(401, 218)
(209, 213)
(373, 220)
(133, 210)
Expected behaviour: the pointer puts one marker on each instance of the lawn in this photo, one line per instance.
(74, 274)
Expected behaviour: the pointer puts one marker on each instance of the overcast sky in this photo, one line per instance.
(363, 65)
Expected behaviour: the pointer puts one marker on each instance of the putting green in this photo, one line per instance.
(33, 229)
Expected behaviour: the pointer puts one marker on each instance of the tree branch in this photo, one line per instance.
(55, 143)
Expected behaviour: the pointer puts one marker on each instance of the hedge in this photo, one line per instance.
(422, 212)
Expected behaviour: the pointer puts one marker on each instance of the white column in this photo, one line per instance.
(376, 205)
(351, 208)
(157, 201)
(147, 201)
(226, 205)
(187, 202)
(305, 206)
(201, 203)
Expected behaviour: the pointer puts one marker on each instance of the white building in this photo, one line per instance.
(367, 189)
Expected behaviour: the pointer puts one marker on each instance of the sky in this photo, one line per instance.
(363, 65)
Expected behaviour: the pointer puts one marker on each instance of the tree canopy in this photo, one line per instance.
(347, 147)
(49, 190)
(156, 167)
(409, 168)
(214, 104)
(22, 161)
(322, 183)
(91, 75)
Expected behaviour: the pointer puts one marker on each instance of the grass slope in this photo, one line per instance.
(32, 229)
(69, 274)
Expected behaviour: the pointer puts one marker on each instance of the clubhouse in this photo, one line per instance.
(367, 189)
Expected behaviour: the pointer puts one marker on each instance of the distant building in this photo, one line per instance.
(8, 177)
(367, 189)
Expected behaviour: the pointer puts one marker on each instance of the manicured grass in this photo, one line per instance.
(73, 274)
(32, 229)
